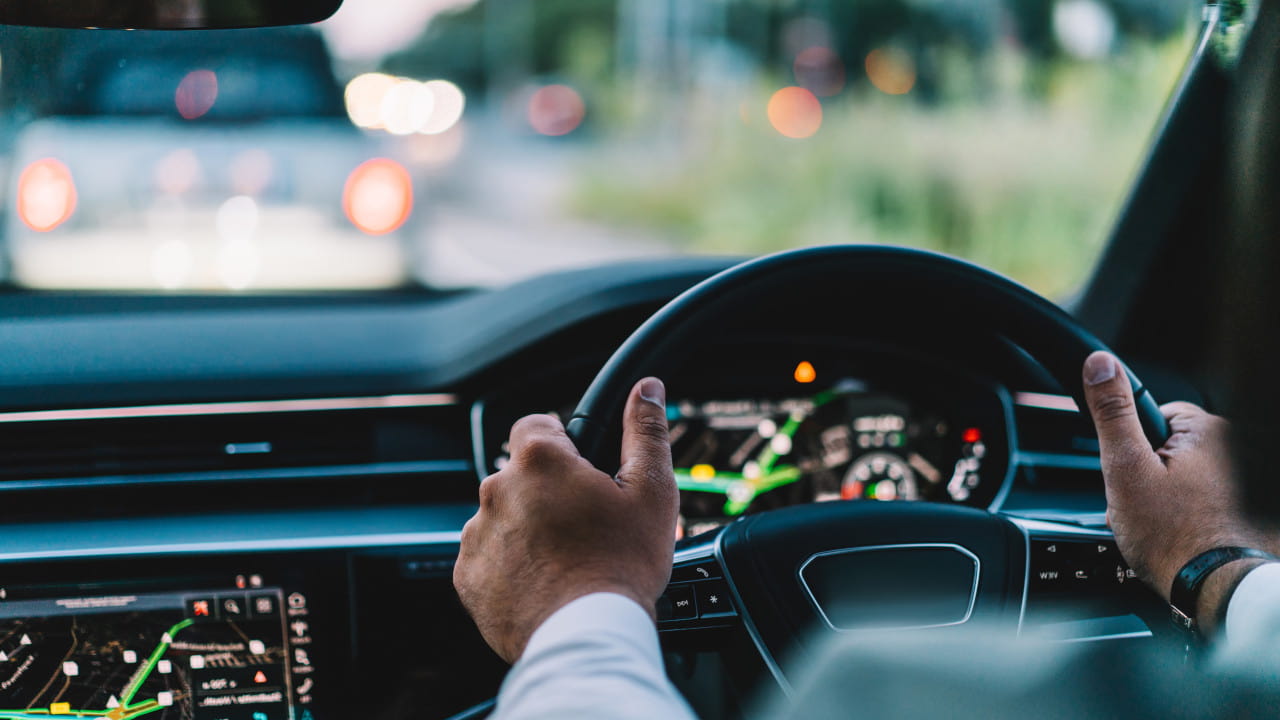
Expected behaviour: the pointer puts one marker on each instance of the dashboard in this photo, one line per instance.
(252, 513)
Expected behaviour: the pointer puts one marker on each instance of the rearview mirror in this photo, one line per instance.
(164, 14)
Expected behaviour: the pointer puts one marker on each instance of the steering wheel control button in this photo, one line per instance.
(893, 586)
(698, 571)
(683, 605)
(1075, 565)
(713, 598)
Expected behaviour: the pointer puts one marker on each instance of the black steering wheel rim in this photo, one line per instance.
(1039, 327)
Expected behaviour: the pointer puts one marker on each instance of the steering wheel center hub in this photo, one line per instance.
(805, 572)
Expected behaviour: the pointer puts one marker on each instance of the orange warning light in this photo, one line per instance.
(805, 372)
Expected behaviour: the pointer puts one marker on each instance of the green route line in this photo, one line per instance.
(125, 711)
(145, 672)
(771, 475)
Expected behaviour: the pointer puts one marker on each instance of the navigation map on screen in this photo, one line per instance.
(165, 656)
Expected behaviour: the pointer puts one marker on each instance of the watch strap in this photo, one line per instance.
(1184, 596)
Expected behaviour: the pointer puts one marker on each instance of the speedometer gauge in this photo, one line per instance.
(879, 476)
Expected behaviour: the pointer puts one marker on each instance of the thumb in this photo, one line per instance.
(1124, 446)
(646, 452)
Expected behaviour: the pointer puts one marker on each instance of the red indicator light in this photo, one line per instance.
(972, 435)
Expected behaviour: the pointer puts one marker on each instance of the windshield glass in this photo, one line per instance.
(458, 144)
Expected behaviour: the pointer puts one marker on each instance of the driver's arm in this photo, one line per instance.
(1167, 506)
(562, 565)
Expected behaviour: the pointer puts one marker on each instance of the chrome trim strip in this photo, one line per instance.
(973, 592)
(1058, 460)
(705, 551)
(1026, 575)
(752, 631)
(1116, 636)
(477, 440)
(1046, 401)
(331, 542)
(1035, 527)
(286, 473)
(234, 408)
(1011, 437)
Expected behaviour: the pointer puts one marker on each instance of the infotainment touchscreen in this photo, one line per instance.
(199, 655)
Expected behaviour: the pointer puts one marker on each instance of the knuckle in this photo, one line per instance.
(467, 538)
(542, 452)
(1112, 407)
(650, 427)
(537, 425)
(489, 491)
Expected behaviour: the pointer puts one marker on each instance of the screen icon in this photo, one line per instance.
(263, 605)
(232, 607)
(202, 608)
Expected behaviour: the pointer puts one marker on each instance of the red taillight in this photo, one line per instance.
(378, 196)
(46, 195)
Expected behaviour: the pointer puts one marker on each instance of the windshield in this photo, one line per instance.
(460, 144)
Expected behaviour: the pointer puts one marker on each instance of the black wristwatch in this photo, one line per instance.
(1184, 597)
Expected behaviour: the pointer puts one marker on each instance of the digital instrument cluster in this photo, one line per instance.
(842, 443)
(911, 434)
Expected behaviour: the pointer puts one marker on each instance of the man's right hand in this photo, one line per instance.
(551, 528)
(1170, 504)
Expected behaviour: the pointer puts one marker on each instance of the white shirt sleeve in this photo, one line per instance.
(1251, 633)
(596, 657)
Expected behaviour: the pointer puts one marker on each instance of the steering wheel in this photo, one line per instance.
(823, 566)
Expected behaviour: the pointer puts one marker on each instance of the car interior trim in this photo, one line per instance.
(1058, 460)
(478, 455)
(1011, 433)
(241, 532)
(752, 631)
(331, 542)
(233, 408)
(414, 467)
(1026, 575)
(1046, 401)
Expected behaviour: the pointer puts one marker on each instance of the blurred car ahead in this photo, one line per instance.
(200, 162)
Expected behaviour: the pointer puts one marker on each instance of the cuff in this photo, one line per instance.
(1252, 603)
(599, 614)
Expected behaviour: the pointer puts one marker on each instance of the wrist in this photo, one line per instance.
(1177, 557)
(1216, 593)
(570, 590)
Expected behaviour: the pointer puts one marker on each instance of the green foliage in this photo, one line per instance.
(1025, 186)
